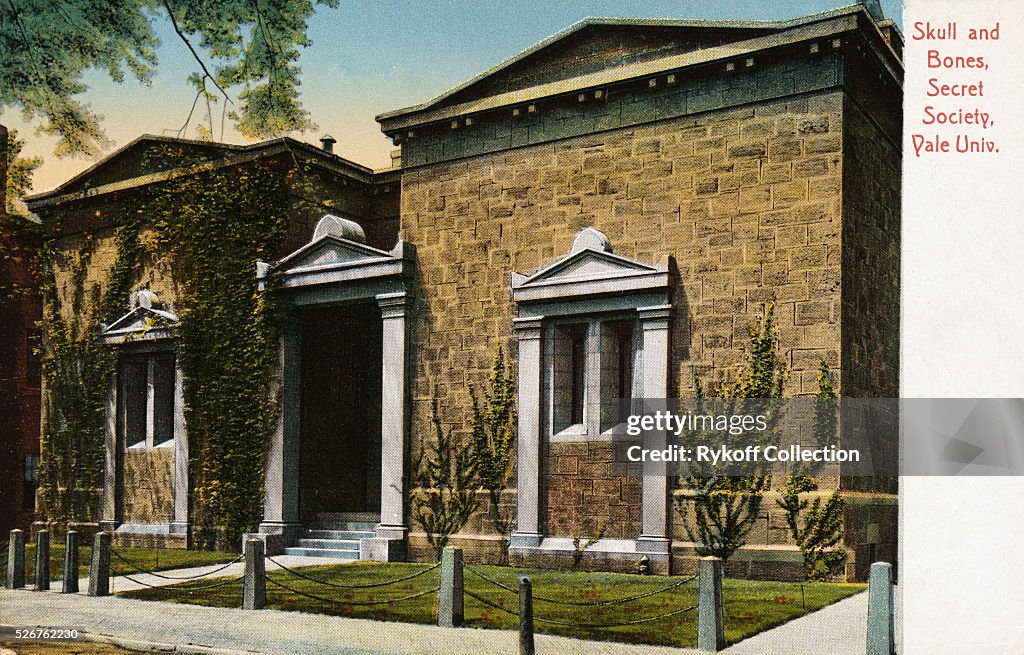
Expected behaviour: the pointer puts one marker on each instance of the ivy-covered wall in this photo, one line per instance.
(192, 238)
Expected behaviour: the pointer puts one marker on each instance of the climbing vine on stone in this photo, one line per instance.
(77, 370)
(494, 437)
(213, 227)
(725, 507)
(817, 525)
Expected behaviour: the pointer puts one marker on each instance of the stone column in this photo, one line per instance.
(110, 515)
(394, 376)
(654, 322)
(528, 446)
(281, 492)
(180, 521)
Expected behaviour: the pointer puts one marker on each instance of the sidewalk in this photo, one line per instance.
(171, 627)
(839, 629)
(219, 631)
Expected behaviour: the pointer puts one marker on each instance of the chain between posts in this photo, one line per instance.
(332, 601)
(172, 577)
(372, 585)
(584, 603)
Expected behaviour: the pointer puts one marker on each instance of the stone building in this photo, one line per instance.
(612, 206)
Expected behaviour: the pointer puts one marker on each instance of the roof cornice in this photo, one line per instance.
(819, 26)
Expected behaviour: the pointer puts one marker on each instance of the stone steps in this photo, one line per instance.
(326, 553)
(334, 536)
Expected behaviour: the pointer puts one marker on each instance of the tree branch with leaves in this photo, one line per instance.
(246, 47)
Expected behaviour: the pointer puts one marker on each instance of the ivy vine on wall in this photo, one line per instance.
(208, 227)
(77, 370)
(212, 227)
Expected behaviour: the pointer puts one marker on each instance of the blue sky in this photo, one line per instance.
(371, 56)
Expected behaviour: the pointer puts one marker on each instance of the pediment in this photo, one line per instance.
(329, 251)
(595, 45)
(587, 265)
(141, 323)
(590, 269)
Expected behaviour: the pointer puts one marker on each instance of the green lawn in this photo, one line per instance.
(152, 559)
(750, 606)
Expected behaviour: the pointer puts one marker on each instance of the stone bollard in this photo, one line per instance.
(16, 560)
(70, 570)
(881, 631)
(254, 584)
(450, 596)
(99, 566)
(525, 616)
(710, 619)
(42, 560)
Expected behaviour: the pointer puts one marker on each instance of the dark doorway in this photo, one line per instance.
(341, 410)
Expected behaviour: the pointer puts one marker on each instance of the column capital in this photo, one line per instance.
(527, 327)
(655, 318)
(393, 305)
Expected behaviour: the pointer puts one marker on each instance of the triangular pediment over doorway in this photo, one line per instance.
(335, 255)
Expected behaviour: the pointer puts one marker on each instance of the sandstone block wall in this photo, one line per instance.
(747, 201)
(148, 492)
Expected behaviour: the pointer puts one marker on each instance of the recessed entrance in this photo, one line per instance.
(340, 433)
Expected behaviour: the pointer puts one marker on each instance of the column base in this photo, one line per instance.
(391, 532)
(277, 535)
(525, 540)
(379, 549)
(659, 545)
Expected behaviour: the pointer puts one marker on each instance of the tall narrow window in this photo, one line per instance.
(163, 398)
(568, 364)
(618, 354)
(134, 392)
(578, 367)
(147, 399)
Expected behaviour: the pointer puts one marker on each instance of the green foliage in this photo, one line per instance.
(19, 174)
(212, 227)
(493, 439)
(20, 236)
(580, 545)
(46, 47)
(816, 526)
(209, 228)
(445, 496)
(725, 508)
(77, 370)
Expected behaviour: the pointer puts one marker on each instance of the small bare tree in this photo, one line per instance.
(445, 495)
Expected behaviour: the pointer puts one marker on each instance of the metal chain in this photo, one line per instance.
(615, 625)
(584, 603)
(489, 603)
(172, 577)
(333, 601)
(336, 585)
(177, 588)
